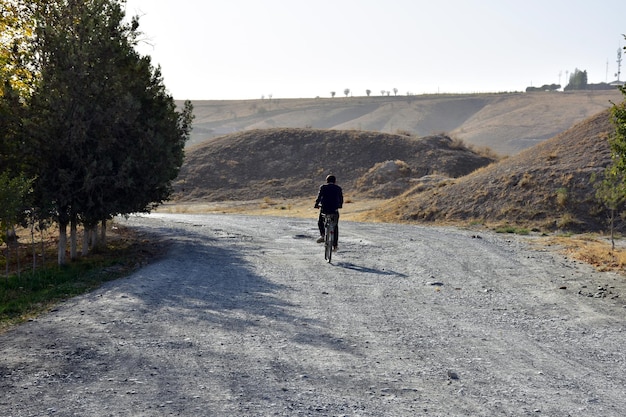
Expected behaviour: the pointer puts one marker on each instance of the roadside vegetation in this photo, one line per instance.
(88, 130)
(35, 283)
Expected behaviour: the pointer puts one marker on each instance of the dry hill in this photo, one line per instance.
(507, 122)
(288, 163)
(431, 178)
(547, 185)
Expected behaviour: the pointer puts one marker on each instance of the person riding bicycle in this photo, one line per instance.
(329, 201)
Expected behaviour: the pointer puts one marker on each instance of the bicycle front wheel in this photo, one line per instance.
(328, 248)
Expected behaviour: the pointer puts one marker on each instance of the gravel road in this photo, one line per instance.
(243, 317)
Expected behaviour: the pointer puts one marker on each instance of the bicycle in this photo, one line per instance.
(330, 222)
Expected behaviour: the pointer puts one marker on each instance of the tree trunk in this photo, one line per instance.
(17, 253)
(86, 234)
(62, 260)
(6, 260)
(73, 238)
(6, 265)
(43, 245)
(9, 241)
(103, 233)
(612, 221)
(33, 245)
(93, 236)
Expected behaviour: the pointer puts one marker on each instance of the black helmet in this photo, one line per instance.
(331, 178)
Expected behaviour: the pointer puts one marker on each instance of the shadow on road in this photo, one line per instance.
(206, 280)
(364, 269)
(211, 323)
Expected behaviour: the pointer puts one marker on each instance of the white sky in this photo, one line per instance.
(246, 49)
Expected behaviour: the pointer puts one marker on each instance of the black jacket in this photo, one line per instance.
(330, 198)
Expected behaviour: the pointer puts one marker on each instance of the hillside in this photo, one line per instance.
(289, 163)
(506, 123)
(547, 185)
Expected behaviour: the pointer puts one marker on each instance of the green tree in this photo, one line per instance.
(577, 80)
(65, 103)
(611, 191)
(16, 80)
(15, 84)
(112, 137)
(16, 33)
(11, 136)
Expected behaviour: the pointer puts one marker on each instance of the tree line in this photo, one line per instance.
(578, 80)
(88, 130)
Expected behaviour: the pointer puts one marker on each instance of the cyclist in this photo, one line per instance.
(330, 199)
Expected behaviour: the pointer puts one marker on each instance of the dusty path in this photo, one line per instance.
(244, 318)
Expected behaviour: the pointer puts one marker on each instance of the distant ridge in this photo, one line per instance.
(506, 122)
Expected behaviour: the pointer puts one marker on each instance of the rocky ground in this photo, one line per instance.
(243, 317)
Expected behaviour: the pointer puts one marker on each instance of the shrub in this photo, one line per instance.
(458, 143)
(403, 132)
(526, 180)
(562, 197)
(566, 221)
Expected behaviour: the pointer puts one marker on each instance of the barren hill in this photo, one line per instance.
(288, 163)
(507, 122)
(431, 178)
(547, 185)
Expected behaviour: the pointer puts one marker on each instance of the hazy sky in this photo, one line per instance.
(246, 49)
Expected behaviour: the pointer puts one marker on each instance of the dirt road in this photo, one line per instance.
(244, 318)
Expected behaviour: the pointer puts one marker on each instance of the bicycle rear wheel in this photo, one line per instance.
(328, 242)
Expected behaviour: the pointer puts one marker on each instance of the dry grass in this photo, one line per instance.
(30, 289)
(592, 249)
(354, 209)
(41, 250)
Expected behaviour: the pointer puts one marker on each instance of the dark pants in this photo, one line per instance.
(320, 225)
